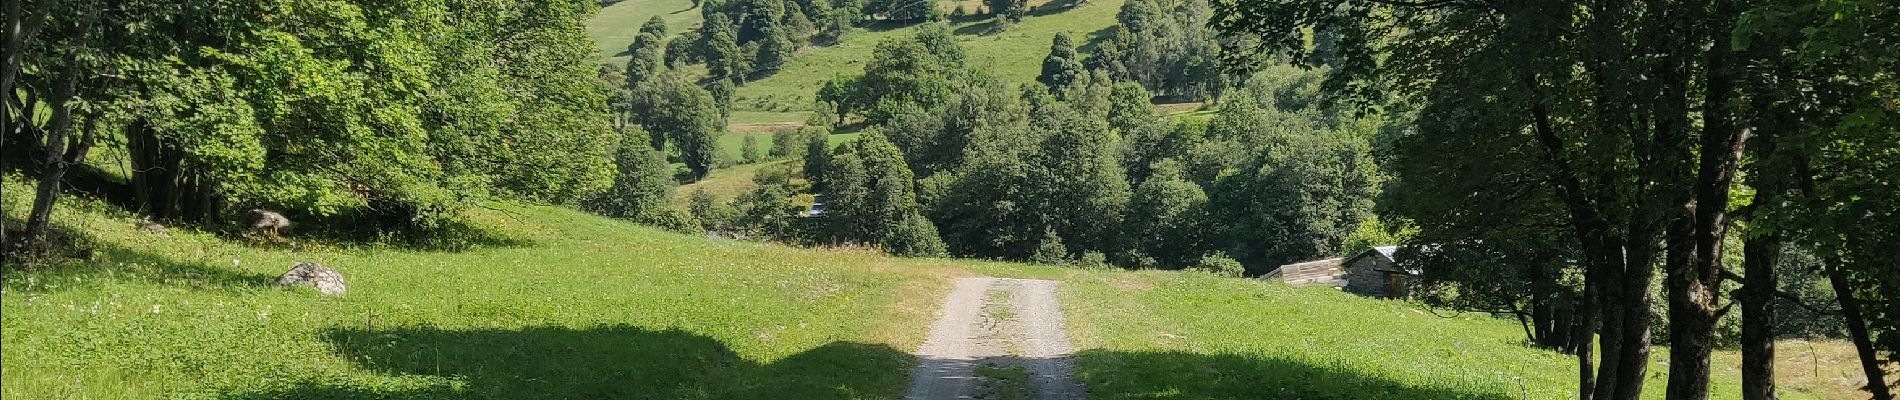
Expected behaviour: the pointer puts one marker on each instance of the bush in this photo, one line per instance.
(1219, 263)
(711, 213)
(1093, 259)
(1050, 251)
(749, 150)
(784, 143)
(914, 236)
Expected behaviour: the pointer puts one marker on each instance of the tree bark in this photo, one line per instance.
(1857, 329)
(1760, 253)
(1695, 288)
(20, 33)
(53, 173)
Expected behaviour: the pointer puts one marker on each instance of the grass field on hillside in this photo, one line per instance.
(1191, 336)
(551, 303)
(728, 183)
(1014, 54)
(616, 25)
(559, 304)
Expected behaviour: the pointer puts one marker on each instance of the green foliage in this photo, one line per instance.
(407, 110)
(914, 236)
(1062, 66)
(785, 143)
(1374, 233)
(776, 50)
(903, 72)
(641, 187)
(1297, 199)
(644, 59)
(903, 10)
(710, 211)
(817, 156)
(1166, 46)
(1166, 217)
(1050, 250)
(675, 110)
(1219, 263)
(1081, 193)
(719, 46)
(655, 26)
(766, 211)
(749, 152)
(1008, 10)
(870, 197)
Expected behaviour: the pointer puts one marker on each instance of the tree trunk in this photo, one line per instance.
(1585, 338)
(53, 173)
(1760, 254)
(19, 34)
(1691, 326)
(1857, 328)
(1632, 372)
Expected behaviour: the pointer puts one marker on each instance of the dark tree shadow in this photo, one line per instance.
(984, 28)
(78, 254)
(1178, 375)
(1095, 40)
(609, 362)
(367, 227)
(626, 362)
(1051, 8)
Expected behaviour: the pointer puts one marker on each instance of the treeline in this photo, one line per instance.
(1079, 170)
(1568, 156)
(393, 112)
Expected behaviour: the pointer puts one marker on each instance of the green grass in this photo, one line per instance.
(560, 305)
(727, 183)
(616, 25)
(1004, 383)
(743, 117)
(550, 303)
(1014, 54)
(1190, 336)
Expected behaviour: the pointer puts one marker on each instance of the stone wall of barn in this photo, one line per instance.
(1365, 276)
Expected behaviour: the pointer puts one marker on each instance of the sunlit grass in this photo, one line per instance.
(554, 311)
(1192, 336)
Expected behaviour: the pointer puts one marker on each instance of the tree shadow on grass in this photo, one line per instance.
(1052, 8)
(1179, 375)
(1095, 40)
(76, 254)
(984, 28)
(608, 362)
(453, 235)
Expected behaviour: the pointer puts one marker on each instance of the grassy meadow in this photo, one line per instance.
(1159, 335)
(1014, 54)
(616, 24)
(546, 303)
(542, 302)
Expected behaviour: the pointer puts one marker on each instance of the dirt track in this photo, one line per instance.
(998, 323)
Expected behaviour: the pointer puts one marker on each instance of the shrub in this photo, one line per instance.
(914, 236)
(1219, 263)
(1050, 251)
(749, 150)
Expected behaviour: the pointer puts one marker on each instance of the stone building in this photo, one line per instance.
(1373, 273)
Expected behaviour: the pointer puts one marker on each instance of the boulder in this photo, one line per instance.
(327, 281)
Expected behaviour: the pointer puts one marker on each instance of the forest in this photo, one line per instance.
(1613, 175)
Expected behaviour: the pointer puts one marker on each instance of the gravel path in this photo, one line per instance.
(1003, 323)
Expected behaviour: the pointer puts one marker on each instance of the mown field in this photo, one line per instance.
(548, 303)
(1157, 335)
(539, 302)
(1014, 54)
